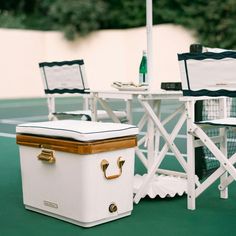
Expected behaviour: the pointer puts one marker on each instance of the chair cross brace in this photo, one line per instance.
(225, 167)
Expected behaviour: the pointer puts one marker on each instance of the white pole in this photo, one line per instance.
(150, 127)
(149, 40)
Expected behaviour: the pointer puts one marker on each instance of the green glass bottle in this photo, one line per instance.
(143, 69)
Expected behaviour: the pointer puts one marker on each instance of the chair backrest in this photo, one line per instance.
(208, 74)
(64, 77)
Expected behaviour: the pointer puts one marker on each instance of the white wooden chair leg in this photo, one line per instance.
(86, 103)
(93, 107)
(223, 147)
(129, 111)
(51, 108)
(191, 201)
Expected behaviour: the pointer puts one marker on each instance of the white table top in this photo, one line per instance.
(115, 93)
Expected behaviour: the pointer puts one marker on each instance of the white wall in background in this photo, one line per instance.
(109, 55)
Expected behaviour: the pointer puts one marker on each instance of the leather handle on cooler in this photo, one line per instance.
(47, 156)
(105, 164)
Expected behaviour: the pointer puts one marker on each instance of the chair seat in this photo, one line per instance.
(230, 121)
(87, 114)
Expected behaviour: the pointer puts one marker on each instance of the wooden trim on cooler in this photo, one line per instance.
(77, 147)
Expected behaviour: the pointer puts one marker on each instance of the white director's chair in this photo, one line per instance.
(207, 76)
(68, 77)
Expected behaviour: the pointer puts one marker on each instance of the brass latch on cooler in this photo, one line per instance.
(47, 156)
(105, 164)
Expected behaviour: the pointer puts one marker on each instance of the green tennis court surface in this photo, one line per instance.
(157, 216)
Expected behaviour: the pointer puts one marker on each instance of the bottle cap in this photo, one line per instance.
(195, 48)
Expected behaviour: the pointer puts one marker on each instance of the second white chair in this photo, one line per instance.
(208, 76)
(68, 77)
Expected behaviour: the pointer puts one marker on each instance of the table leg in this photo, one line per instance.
(150, 143)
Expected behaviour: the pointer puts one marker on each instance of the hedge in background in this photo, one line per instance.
(213, 21)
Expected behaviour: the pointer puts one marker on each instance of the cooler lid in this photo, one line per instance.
(78, 130)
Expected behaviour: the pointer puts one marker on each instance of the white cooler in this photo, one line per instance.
(78, 171)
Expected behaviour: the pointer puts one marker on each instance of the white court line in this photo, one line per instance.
(18, 104)
(42, 102)
(6, 135)
(10, 122)
(32, 118)
(21, 120)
